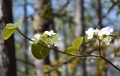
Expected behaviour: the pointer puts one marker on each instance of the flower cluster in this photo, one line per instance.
(51, 33)
(36, 38)
(104, 35)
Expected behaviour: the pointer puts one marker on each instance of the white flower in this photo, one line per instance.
(36, 38)
(90, 33)
(107, 40)
(50, 33)
(105, 31)
(103, 34)
(56, 43)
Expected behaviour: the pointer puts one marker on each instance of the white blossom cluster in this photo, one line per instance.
(36, 37)
(50, 33)
(104, 35)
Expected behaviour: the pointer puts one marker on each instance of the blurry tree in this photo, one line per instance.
(7, 49)
(43, 22)
(25, 40)
(80, 29)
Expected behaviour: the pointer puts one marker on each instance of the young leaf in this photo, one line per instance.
(6, 33)
(38, 51)
(71, 50)
(86, 39)
(77, 42)
(9, 30)
(50, 39)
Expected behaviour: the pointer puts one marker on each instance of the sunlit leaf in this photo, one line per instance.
(50, 39)
(9, 30)
(71, 50)
(77, 42)
(86, 39)
(38, 51)
(6, 33)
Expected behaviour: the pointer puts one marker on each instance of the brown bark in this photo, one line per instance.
(7, 49)
(98, 14)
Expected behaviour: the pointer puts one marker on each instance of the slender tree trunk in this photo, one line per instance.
(99, 22)
(80, 28)
(7, 49)
(45, 24)
(25, 40)
(98, 14)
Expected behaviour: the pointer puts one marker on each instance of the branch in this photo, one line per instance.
(63, 6)
(56, 67)
(85, 55)
(110, 63)
(110, 9)
(107, 60)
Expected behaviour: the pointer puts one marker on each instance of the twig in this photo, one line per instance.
(85, 55)
(99, 48)
(106, 59)
(74, 55)
(110, 63)
(63, 6)
(56, 66)
(110, 9)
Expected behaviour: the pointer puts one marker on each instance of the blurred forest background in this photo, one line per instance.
(69, 18)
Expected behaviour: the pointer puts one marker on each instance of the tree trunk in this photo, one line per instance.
(80, 28)
(7, 49)
(25, 40)
(45, 24)
(98, 14)
(99, 23)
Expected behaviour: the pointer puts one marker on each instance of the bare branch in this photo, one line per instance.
(110, 63)
(63, 6)
(109, 10)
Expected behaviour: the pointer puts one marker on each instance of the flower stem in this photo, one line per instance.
(110, 63)
(106, 59)
(99, 48)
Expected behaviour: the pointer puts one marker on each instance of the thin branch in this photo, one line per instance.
(56, 66)
(115, 3)
(99, 48)
(63, 6)
(110, 63)
(72, 54)
(85, 55)
(106, 59)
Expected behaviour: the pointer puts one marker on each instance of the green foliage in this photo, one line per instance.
(38, 51)
(77, 42)
(49, 39)
(71, 50)
(75, 46)
(86, 39)
(10, 29)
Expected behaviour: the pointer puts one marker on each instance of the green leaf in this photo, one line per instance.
(71, 50)
(10, 26)
(49, 39)
(75, 46)
(6, 33)
(77, 42)
(86, 39)
(9, 30)
(38, 51)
